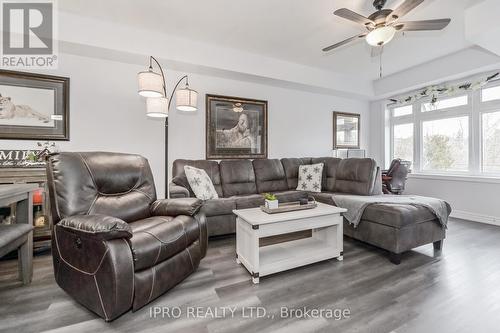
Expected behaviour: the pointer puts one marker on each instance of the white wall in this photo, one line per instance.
(482, 26)
(470, 199)
(107, 114)
(467, 62)
(85, 33)
(105, 111)
(378, 134)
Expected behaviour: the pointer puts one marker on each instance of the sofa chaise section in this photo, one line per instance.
(398, 228)
(392, 227)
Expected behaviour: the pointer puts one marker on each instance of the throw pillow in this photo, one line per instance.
(200, 183)
(310, 177)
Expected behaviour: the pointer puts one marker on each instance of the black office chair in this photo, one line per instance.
(394, 179)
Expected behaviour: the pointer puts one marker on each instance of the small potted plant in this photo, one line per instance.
(271, 201)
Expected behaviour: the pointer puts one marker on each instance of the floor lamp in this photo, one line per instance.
(152, 86)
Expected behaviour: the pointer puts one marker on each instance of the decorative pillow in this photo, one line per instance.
(310, 177)
(200, 183)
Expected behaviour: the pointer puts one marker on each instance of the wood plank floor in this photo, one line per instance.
(458, 291)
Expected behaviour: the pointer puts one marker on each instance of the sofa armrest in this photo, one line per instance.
(175, 207)
(98, 273)
(202, 224)
(177, 191)
(101, 227)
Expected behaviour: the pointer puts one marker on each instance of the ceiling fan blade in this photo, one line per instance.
(405, 8)
(353, 16)
(348, 40)
(423, 25)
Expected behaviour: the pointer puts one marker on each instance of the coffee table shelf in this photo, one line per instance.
(304, 251)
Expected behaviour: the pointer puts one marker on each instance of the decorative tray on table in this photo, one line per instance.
(289, 207)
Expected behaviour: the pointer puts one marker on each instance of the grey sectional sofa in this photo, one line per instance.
(240, 184)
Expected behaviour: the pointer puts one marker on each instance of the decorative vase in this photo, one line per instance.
(271, 204)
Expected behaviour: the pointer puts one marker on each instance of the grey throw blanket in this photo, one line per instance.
(356, 204)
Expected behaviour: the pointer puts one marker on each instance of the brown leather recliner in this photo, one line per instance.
(114, 246)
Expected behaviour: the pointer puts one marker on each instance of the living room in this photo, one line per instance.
(249, 166)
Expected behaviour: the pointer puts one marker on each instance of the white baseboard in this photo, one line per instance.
(460, 214)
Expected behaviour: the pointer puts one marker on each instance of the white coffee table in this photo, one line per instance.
(325, 241)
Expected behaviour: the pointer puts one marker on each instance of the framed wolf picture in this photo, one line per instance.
(33, 106)
(235, 128)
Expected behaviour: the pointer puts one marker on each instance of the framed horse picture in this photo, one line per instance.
(235, 128)
(33, 106)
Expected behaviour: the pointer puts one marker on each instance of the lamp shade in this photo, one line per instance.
(381, 36)
(186, 99)
(150, 84)
(157, 107)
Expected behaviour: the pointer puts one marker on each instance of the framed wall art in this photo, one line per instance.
(346, 130)
(33, 106)
(235, 128)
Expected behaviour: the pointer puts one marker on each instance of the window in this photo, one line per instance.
(491, 142)
(445, 103)
(446, 144)
(402, 111)
(455, 135)
(403, 142)
(490, 94)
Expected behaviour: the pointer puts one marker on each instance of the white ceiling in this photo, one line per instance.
(292, 30)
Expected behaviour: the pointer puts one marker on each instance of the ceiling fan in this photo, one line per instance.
(382, 25)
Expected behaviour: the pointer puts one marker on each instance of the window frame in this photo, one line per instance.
(421, 139)
(474, 110)
(485, 108)
(490, 85)
(401, 106)
(392, 136)
(428, 100)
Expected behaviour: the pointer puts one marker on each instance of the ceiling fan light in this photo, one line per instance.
(381, 36)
